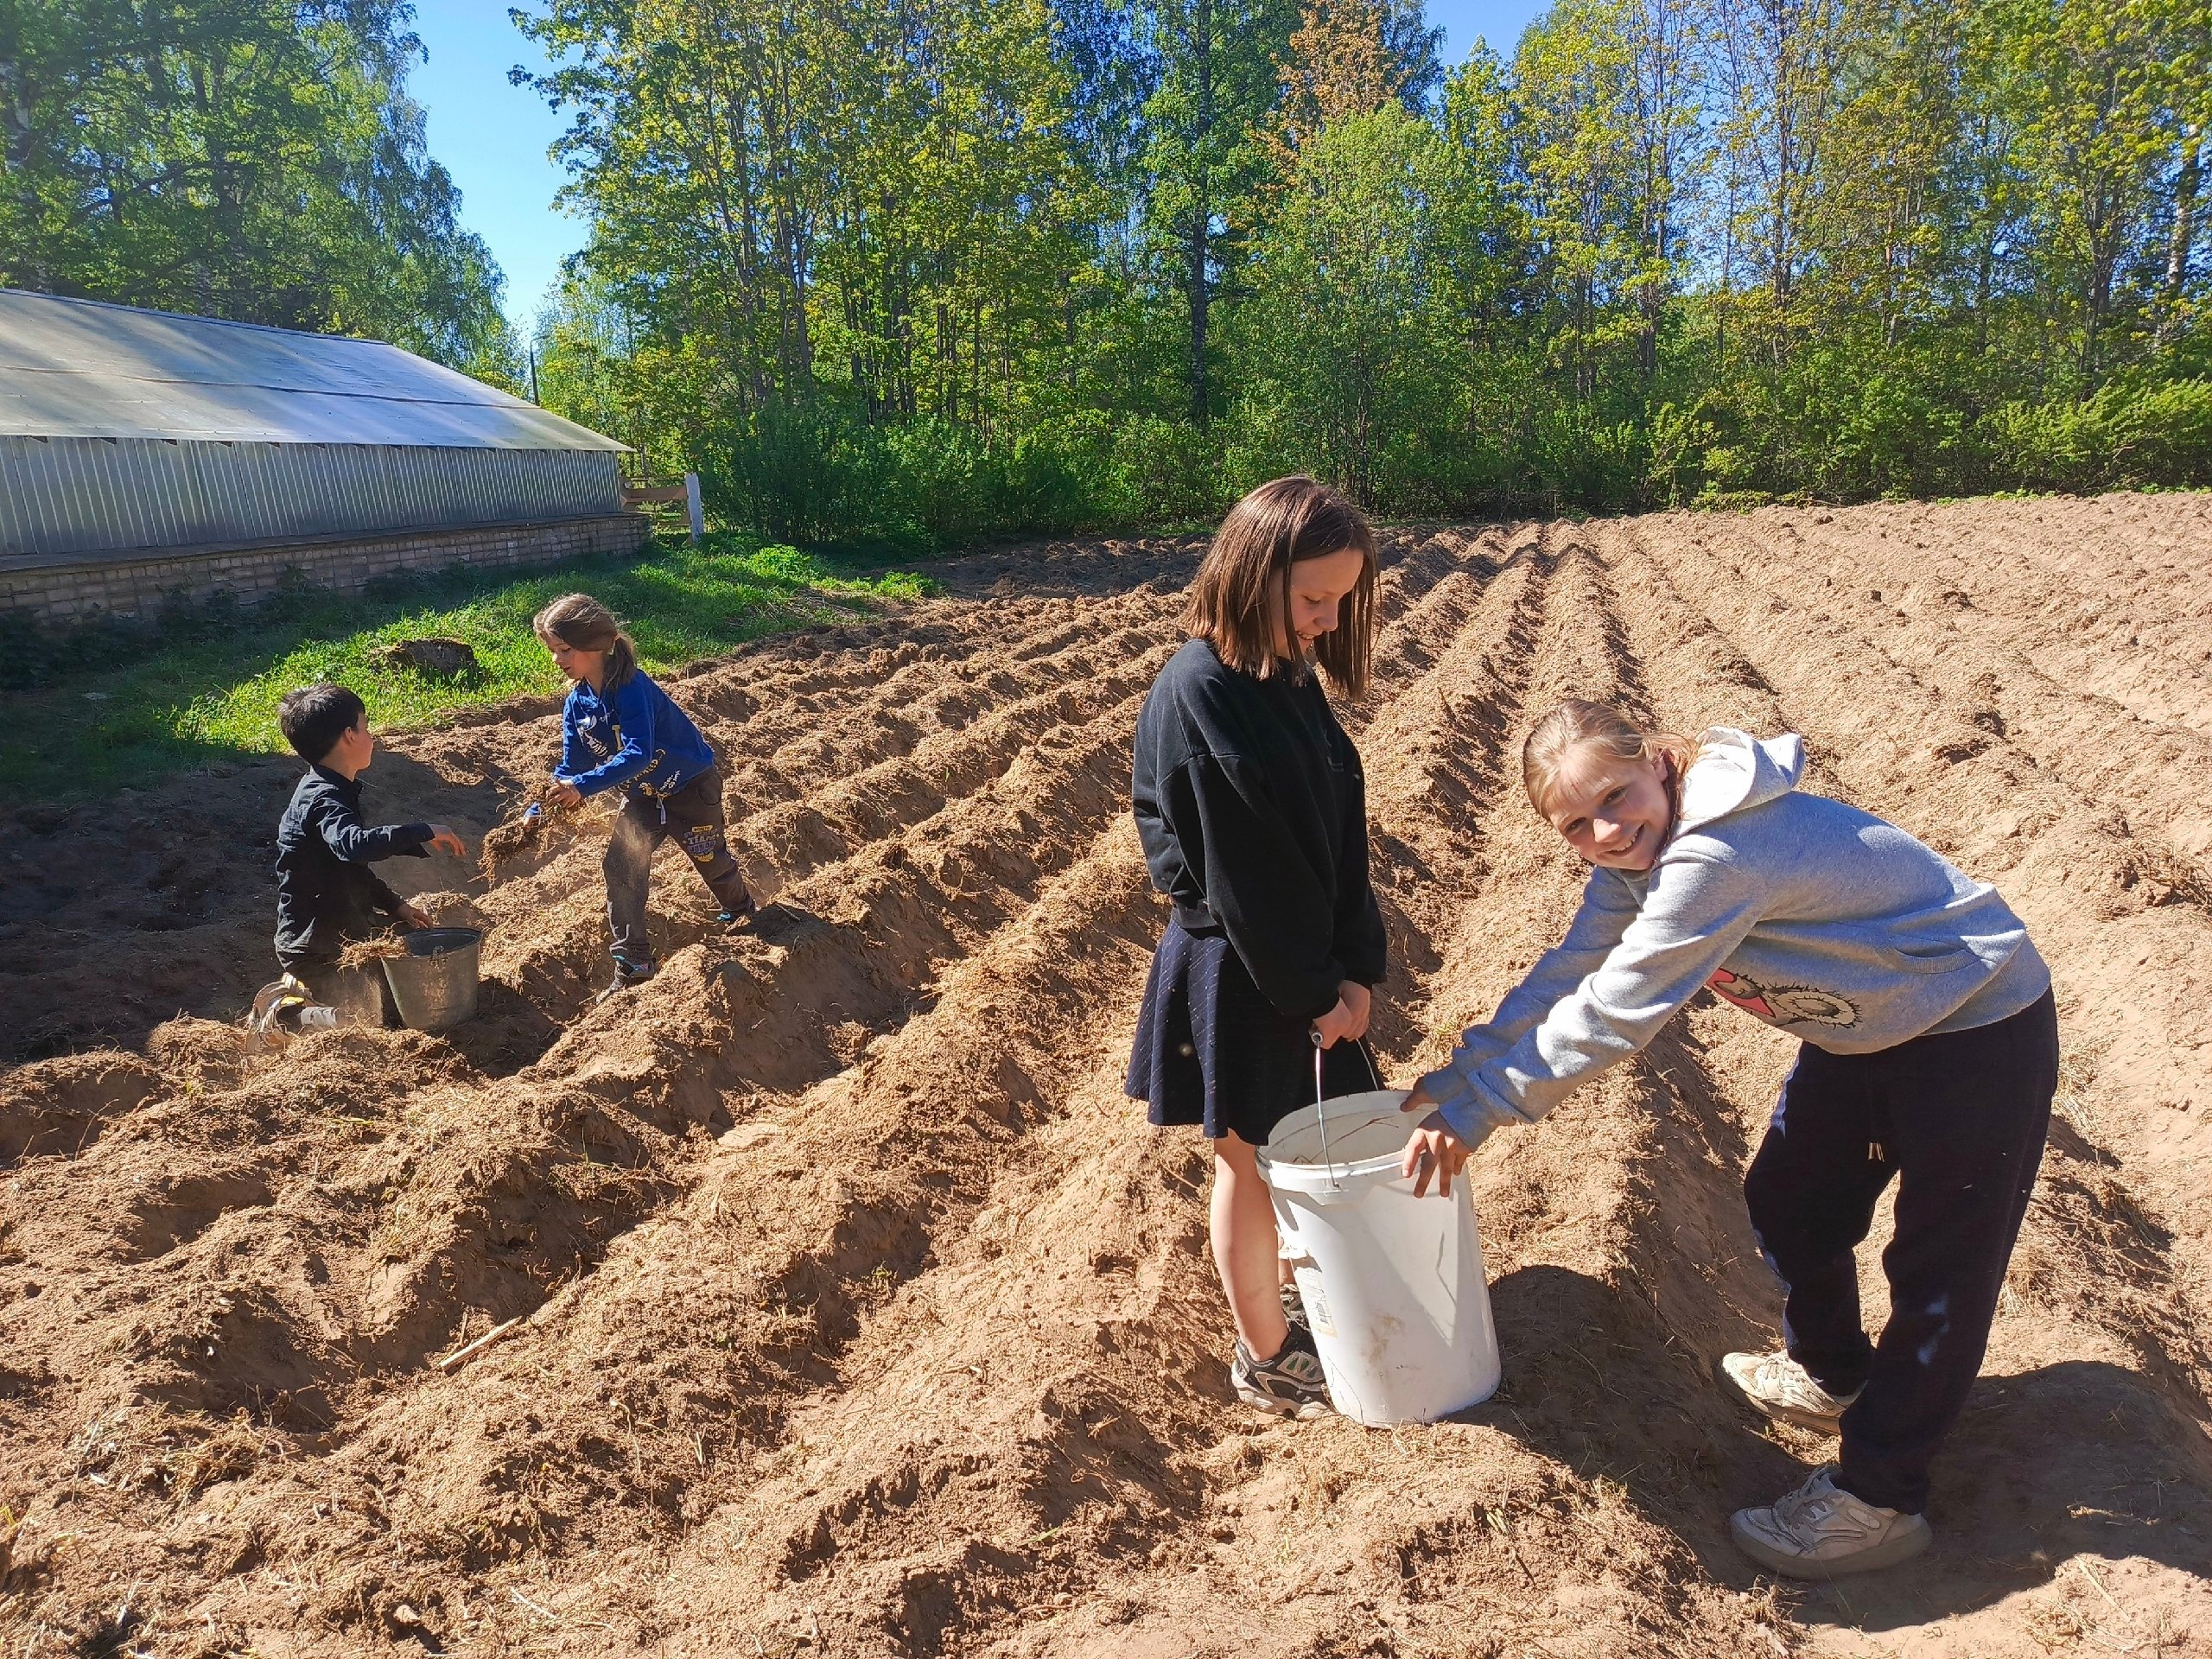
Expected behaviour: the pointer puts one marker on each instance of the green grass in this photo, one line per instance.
(103, 708)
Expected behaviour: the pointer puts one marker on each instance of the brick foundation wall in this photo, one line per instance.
(80, 590)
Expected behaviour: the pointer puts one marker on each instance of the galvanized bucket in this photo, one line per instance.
(435, 984)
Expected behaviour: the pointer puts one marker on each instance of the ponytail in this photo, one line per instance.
(580, 621)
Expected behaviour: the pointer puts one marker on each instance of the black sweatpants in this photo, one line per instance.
(1958, 1119)
(693, 816)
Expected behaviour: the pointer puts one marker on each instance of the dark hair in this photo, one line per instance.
(581, 621)
(1239, 602)
(315, 717)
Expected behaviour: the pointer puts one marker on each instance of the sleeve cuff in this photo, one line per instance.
(1471, 1110)
(1329, 999)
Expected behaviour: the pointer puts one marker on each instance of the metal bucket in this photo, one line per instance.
(435, 984)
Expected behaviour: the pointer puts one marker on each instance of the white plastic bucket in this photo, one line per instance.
(1393, 1284)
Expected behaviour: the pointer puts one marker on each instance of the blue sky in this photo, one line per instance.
(492, 137)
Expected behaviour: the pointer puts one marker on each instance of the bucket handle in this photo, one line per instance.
(1321, 1112)
(1321, 1101)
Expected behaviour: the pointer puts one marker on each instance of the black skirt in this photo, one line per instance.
(1210, 1049)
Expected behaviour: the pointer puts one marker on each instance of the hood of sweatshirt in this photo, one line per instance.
(1735, 771)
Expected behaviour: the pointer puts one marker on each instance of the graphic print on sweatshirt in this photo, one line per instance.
(588, 729)
(1783, 1004)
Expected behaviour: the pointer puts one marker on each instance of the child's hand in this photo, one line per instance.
(1435, 1149)
(1333, 1027)
(562, 794)
(443, 840)
(413, 917)
(1359, 1001)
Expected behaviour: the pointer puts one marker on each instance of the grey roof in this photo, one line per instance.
(85, 369)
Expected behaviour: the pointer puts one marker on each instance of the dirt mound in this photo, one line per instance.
(842, 1305)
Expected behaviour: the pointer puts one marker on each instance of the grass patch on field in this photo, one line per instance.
(101, 708)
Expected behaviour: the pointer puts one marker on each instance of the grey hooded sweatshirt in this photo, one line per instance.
(1815, 917)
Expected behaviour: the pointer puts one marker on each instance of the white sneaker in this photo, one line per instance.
(1821, 1531)
(1776, 1386)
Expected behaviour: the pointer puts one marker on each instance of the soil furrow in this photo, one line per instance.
(856, 1311)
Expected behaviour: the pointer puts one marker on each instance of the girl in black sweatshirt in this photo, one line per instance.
(1252, 808)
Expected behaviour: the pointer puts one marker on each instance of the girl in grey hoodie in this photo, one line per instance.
(1929, 1054)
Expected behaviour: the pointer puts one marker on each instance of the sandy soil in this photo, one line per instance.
(858, 1312)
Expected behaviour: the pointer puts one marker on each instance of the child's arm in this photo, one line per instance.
(1268, 899)
(356, 842)
(1697, 911)
(1361, 941)
(1606, 909)
(633, 708)
(575, 759)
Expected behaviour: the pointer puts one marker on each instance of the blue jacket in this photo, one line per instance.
(637, 740)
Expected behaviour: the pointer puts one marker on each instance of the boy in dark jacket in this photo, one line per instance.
(326, 895)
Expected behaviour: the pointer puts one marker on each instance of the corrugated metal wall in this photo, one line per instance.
(80, 496)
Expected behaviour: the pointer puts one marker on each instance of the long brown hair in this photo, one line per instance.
(1576, 724)
(582, 623)
(1240, 595)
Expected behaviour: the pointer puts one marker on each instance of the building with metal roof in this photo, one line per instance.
(142, 438)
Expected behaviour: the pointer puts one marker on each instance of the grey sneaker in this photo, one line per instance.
(1821, 1531)
(1776, 1386)
(1289, 1385)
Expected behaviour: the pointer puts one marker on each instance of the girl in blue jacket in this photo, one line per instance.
(1928, 1056)
(622, 731)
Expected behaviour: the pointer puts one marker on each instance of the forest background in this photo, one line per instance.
(923, 271)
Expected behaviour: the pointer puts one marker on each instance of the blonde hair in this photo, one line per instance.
(1576, 725)
(581, 623)
(1240, 597)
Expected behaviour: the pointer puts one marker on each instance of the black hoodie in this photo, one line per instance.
(1252, 808)
(327, 894)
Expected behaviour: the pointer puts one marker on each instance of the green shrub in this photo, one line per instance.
(2127, 434)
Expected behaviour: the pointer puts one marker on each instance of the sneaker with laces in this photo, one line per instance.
(283, 1008)
(739, 921)
(269, 1003)
(626, 974)
(1776, 1386)
(1289, 1385)
(1821, 1531)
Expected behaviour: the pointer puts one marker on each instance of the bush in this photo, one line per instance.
(826, 474)
(2127, 434)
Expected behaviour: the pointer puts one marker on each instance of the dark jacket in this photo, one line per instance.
(327, 894)
(636, 739)
(1252, 808)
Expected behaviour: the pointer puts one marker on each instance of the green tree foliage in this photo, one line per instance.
(938, 271)
(237, 158)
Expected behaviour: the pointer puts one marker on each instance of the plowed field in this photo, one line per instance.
(858, 1313)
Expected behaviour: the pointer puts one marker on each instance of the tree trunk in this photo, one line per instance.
(2182, 234)
(1200, 249)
